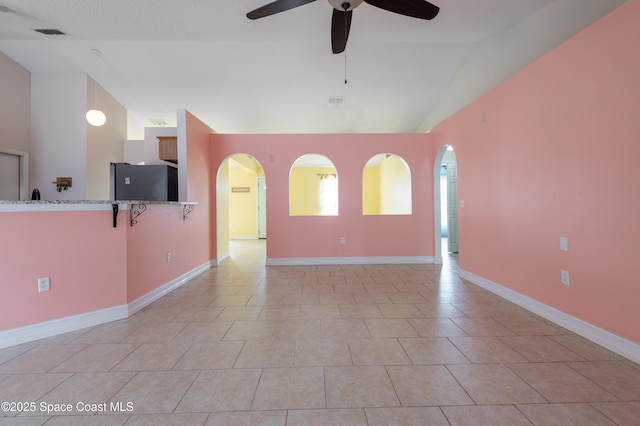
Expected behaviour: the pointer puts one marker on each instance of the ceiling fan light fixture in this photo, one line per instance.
(345, 5)
(343, 11)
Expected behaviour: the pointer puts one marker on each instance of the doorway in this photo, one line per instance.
(241, 209)
(13, 175)
(446, 204)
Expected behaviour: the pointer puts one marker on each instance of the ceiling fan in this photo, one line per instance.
(343, 10)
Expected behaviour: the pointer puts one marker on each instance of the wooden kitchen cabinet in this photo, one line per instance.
(168, 148)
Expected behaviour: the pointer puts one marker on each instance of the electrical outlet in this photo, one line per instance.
(343, 240)
(44, 284)
(564, 276)
(168, 256)
(564, 244)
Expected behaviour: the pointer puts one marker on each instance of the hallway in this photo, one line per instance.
(247, 344)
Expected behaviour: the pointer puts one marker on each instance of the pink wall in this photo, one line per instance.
(93, 265)
(316, 236)
(200, 181)
(80, 251)
(162, 230)
(557, 156)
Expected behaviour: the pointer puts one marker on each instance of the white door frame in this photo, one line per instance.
(437, 215)
(452, 206)
(262, 207)
(24, 170)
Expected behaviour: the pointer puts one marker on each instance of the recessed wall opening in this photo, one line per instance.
(386, 186)
(313, 187)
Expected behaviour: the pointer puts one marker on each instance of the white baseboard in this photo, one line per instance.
(167, 288)
(366, 260)
(608, 340)
(29, 333)
(54, 327)
(222, 257)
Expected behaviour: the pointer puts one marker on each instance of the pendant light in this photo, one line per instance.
(95, 117)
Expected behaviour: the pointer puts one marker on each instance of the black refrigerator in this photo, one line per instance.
(144, 182)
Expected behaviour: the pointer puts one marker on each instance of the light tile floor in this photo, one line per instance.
(246, 344)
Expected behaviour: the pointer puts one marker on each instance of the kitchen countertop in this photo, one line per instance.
(62, 205)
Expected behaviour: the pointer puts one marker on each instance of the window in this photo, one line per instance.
(386, 186)
(313, 187)
(328, 194)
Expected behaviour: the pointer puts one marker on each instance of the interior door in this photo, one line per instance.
(452, 206)
(9, 177)
(262, 207)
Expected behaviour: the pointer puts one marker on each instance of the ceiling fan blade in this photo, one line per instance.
(340, 26)
(276, 7)
(415, 8)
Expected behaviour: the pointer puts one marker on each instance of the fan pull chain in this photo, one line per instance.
(346, 27)
(345, 66)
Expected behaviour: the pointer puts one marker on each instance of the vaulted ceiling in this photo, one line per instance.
(278, 74)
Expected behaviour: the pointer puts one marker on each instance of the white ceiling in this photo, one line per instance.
(276, 74)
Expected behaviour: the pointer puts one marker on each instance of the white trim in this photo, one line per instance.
(614, 343)
(54, 327)
(437, 205)
(244, 237)
(23, 158)
(222, 257)
(368, 260)
(437, 208)
(167, 288)
(183, 158)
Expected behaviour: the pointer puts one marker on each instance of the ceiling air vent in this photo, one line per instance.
(336, 100)
(158, 121)
(50, 32)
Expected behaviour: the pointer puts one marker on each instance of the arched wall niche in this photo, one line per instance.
(386, 186)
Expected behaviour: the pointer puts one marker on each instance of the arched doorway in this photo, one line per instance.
(241, 209)
(445, 178)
